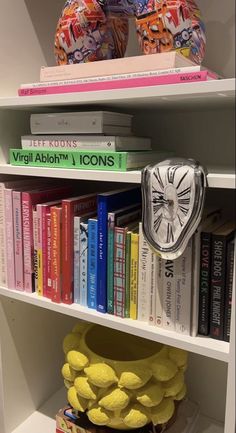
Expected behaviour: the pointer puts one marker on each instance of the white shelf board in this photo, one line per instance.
(214, 180)
(201, 345)
(213, 92)
(43, 420)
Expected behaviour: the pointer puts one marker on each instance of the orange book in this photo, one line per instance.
(56, 253)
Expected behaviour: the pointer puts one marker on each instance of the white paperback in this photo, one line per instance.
(86, 122)
(76, 259)
(183, 291)
(169, 294)
(85, 142)
(144, 277)
(83, 263)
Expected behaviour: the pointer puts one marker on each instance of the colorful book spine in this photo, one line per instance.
(117, 84)
(110, 262)
(18, 239)
(183, 286)
(27, 242)
(143, 277)
(134, 276)
(119, 271)
(92, 262)
(169, 295)
(10, 256)
(228, 289)
(40, 253)
(56, 251)
(35, 248)
(204, 283)
(78, 206)
(159, 292)
(3, 253)
(48, 279)
(152, 290)
(76, 296)
(127, 273)
(108, 202)
(83, 263)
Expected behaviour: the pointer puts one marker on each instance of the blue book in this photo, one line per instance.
(92, 262)
(107, 202)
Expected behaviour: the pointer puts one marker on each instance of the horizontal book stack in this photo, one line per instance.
(90, 140)
(71, 244)
(124, 73)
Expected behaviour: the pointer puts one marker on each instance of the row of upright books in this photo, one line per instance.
(124, 73)
(71, 244)
(89, 140)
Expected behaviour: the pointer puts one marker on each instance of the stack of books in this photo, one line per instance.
(71, 243)
(90, 140)
(124, 73)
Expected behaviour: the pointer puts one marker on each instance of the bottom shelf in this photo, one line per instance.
(43, 420)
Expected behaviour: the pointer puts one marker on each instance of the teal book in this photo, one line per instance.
(85, 160)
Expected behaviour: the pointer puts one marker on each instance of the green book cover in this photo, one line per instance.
(127, 274)
(86, 160)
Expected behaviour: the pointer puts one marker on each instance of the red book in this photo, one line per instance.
(56, 252)
(76, 206)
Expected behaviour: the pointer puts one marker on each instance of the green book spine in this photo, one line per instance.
(127, 274)
(85, 160)
(110, 264)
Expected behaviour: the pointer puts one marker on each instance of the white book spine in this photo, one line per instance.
(152, 291)
(112, 77)
(144, 280)
(84, 142)
(169, 295)
(159, 292)
(77, 260)
(183, 267)
(83, 263)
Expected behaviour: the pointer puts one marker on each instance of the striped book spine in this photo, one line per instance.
(110, 262)
(119, 271)
(127, 273)
(92, 262)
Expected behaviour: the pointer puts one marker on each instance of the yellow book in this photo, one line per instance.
(134, 275)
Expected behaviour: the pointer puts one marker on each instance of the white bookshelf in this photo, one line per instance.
(195, 120)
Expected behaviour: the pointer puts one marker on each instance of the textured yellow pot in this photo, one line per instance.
(120, 380)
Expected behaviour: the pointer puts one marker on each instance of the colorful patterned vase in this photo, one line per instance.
(120, 380)
(90, 30)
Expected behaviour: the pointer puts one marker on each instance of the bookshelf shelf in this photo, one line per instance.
(204, 346)
(214, 179)
(207, 93)
(43, 419)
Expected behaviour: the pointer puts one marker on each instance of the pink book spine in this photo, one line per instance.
(10, 256)
(35, 239)
(18, 244)
(44, 211)
(28, 242)
(48, 291)
(40, 250)
(117, 84)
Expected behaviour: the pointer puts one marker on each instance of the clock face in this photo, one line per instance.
(173, 199)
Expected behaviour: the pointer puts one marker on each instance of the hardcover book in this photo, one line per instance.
(92, 262)
(169, 277)
(220, 238)
(83, 263)
(56, 253)
(143, 277)
(71, 207)
(103, 143)
(86, 160)
(134, 275)
(228, 289)
(83, 122)
(159, 61)
(108, 202)
(183, 286)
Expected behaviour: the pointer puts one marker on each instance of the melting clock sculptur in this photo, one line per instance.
(90, 30)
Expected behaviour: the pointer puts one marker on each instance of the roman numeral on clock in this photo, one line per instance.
(184, 192)
(171, 173)
(156, 207)
(184, 200)
(184, 210)
(157, 223)
(170, 234)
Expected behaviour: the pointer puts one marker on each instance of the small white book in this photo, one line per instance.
(183, 286)
(144, 277)
(83, 122)
(109, 143)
